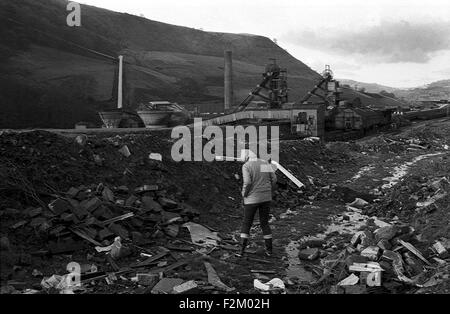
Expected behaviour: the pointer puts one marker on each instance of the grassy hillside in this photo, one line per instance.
(369, 87)
(50, 79)
(434, 91)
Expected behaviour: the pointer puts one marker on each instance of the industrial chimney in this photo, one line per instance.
(228, 77)
(120, 84)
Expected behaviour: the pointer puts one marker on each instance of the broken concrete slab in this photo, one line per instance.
(125, 151)
(167, 203)
(213, 278)
(172, 230)
(72, 192)
(440, 249)
(371, 252)
(349, 281)
(150, 204)
(91, 204)
(201, 235)
(188, 287)
(166, 285)
(108, 195)
(386, 233)
(384, 244)
(368, 267)
(358, 203)
(371, 279)
(363, 238)
(59, 206)
(350, 260)
(147, 279)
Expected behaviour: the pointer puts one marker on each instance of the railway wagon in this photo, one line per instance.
(428, 114)
(361, 118)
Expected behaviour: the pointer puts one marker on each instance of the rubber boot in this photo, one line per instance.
(268, 243)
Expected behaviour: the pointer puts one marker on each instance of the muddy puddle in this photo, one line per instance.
(364, 170)
(351, 225)
(402, 170)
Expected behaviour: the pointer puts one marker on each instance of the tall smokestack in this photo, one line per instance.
(120, 82)
(228, 76)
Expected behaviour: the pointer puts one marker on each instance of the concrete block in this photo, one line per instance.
(166, 285)
(151, 205)
(59, 206)
(92, 204)
(384, 244)
(386, 233)
(371, 252)
(148, 280)
(440, 249)
(189, 286)
(108, 195)
(72, 192)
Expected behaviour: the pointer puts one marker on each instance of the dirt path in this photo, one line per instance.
(334, 221)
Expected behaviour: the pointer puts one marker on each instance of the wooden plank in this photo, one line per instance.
(151, 260)
(118, 218)
(413, 250)
(112, 263)
(263, 271)
(168, 268)
(85, 236)
(289, 175)
(258, 260)
(179, 248)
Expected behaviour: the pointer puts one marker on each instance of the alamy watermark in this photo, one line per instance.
(74, 17)
(228, 146)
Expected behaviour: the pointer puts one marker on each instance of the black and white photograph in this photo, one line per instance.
(226, 153)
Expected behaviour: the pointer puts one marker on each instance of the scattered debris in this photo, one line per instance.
(214, 279)
(201, 235)
(166, 285)
(275, 286)
(349, 281)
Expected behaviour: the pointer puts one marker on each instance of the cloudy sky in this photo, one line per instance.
(401, 43)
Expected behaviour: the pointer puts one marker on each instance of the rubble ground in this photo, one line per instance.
(65, 198)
